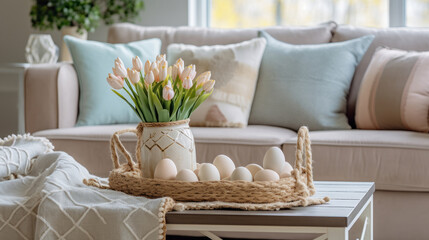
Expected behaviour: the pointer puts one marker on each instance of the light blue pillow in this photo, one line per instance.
(306, 84)
(98, 105)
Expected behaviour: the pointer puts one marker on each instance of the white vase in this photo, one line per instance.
(174, 140)
(72, 31)
(41, 48)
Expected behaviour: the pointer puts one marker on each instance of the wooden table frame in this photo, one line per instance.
(359, 226)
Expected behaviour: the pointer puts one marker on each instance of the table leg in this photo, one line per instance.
(338, 234)
(368, 234)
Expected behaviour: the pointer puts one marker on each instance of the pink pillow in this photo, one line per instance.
(394, 92)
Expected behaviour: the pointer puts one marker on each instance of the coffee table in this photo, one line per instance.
(347, 216)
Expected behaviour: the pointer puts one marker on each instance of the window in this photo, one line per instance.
(370, 13)
(418, 13)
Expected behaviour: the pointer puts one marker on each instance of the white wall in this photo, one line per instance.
(15, 24)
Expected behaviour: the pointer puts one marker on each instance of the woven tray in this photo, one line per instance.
(127, 178)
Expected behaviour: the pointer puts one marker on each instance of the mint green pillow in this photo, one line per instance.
(98, 105)
(306, 84)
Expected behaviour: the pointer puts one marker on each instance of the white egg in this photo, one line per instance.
(253, 168)
(274, 159)
(286, 171)
(208, 172)
(266, 175)
(241, 173)
(186, 175)
(224, 165)
(165, 169)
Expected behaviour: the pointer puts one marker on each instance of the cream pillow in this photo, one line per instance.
(235, 68)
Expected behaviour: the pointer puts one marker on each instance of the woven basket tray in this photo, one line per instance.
(127, 178)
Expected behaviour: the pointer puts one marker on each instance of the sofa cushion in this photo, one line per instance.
(90, 146)
(409, 39)
(235, 68)
(93, 62)
(306, 84)
(394, 160)
(394, 94)
(126, 32)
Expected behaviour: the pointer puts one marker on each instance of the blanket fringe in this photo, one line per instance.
(95, 183)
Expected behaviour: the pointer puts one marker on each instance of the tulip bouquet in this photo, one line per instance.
(161, 93)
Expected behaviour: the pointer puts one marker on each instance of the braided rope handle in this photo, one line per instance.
(115, 143)
(303, 146)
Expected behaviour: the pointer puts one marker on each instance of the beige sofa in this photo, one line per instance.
(397, 161)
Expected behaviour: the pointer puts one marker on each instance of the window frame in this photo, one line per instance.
(199, 13)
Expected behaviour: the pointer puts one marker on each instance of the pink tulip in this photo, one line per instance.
(169, 70)
(168, 92)
(119, 69)
(188, 72)
(115, 81)
(187, 83)
(156, 74)
(163, 70)
(147, 67)
(133, 75)
(203, 78)
(176, 72)
(208, 86)
(180, 63)
(150, 78)
(161, 57)
(153, 66)
(137, 64)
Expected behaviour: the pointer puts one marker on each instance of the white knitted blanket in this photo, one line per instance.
(42, 197)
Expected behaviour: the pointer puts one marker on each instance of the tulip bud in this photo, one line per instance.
(193, 72)
(187, 83)
(163, 70)
(208, 86)
(115, 81)
(175, 72)
(153, 66)
(169, 71)
(147, 67)
(188, 72)
(133, 75)
(181, 63)
(119, 69)
(118, 60)
(150, 78)
(161, 57)
(203, 77)
(168, 92)
(156, 74)
(137, 64)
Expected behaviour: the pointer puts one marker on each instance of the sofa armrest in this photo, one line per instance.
(51, 95)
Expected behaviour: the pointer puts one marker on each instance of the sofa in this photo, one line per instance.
(397, 161)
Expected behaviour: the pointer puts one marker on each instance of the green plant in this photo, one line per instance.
(160, 93)
(83, 14)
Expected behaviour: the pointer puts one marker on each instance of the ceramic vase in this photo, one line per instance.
(41, 48)
(172, 140)
(72, 31)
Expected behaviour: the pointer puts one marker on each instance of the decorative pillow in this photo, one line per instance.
(394, 93)
(235, 68)
(306, 84)
(93, 61)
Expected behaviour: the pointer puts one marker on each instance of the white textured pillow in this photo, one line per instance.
(235, 68)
